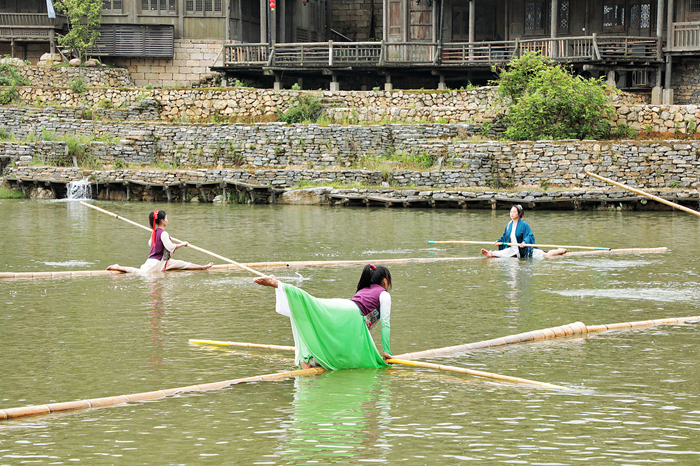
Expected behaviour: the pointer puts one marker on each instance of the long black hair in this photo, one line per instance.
(161, 216)
(373, 275)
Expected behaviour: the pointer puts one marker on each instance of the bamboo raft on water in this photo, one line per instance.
(577, 328)
(282, 264)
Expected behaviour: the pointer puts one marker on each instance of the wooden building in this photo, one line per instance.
(349, 43)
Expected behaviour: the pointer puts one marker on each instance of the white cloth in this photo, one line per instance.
(159, 265)
(510, 251)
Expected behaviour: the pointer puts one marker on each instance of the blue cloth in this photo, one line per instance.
(523, 233)
(49, 9)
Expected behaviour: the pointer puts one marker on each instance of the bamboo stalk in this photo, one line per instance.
(491, 243)
(490, 375)
(176, 240)
(245, 345)
(642, 193)
(13, 413)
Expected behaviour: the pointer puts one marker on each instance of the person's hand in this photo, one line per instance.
(386, 355)
(185, 244)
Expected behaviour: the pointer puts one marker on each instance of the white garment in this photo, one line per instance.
(159, 265)
(510, 251)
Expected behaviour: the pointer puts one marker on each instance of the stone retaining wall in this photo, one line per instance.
(61, 76)
(458, 162)
(673, 164)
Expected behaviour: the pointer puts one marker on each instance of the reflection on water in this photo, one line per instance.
(69, 339)
(338, 416)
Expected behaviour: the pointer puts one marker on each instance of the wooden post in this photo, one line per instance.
(472, 26)
(553, 28)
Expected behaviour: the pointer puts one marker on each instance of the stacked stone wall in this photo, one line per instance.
(474, 165)
(685, 81)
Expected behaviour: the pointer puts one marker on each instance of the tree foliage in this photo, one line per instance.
(546, 101)
(84, 17)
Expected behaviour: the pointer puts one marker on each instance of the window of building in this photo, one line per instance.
(203, 6)
(695, 6)
(158, 6)
(112, 6)
(564, 15)
(460, 23)
(535, 15)
(613, 15)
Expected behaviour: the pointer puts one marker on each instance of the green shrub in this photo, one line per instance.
(77, 85)
(622, 131)
(545, 101)
(5, 135)
(9, 96)
(9, 76)
(302, 109)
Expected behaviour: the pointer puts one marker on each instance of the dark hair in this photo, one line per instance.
(520, 210)
(161, 216)
(373, 275)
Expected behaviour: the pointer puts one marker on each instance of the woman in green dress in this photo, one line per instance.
(334, 333)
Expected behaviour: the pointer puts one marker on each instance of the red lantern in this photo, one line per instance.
(272, 4)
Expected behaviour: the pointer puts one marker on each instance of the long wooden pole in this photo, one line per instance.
(489, 375)
(244, 345)
(522, 245)
(176, 240)
(34, 410)
(642, 193)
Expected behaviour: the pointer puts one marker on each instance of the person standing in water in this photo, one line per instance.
(161, 249)
(518, 231)
(334, 333)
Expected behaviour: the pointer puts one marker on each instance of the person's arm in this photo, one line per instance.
(385, 318)
(505, 238)
(169, 245)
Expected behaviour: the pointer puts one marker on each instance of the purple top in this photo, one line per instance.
(158, 248)
(367, 299)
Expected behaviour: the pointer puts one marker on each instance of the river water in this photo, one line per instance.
(80, 338)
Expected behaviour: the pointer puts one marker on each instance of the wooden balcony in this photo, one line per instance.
(30, 26)
(311, 56)
(685, 37)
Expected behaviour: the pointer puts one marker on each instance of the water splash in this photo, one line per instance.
(79, 190)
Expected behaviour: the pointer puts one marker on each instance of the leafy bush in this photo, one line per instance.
(77, 85)
(545, 101)
(9, 76)
(302, 109)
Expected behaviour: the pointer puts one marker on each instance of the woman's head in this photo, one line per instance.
(517, 212)
(374, 275)
(156, 217)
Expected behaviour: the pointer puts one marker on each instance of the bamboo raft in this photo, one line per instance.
(272, 265)
(575, 329)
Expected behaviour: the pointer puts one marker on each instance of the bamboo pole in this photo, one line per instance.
(421, 260)
(13, 413)
(576, 328)
(245, 345)
(642, 193)
(490, 375)
(176, 240)
(491, 243)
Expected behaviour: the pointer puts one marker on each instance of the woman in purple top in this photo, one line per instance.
(161, 248)
(334, 333)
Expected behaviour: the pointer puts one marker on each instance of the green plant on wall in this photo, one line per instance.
(302, 109)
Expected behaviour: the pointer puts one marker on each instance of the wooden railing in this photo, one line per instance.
(329, 54)
(685, 37)
(253, 54)
(32, 19)
(481, 52)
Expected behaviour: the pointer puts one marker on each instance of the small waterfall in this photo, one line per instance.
(79, 190)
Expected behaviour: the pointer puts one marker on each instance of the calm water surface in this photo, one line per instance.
(69, 339)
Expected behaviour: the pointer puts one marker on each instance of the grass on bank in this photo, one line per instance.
(6, 193)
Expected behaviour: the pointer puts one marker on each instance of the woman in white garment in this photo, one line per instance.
(161, 248)
(519, 232)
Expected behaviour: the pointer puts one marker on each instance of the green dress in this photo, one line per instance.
(331, 331)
